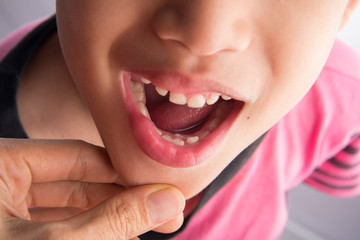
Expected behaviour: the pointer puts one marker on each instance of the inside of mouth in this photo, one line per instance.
(178, 124)
(174, 118)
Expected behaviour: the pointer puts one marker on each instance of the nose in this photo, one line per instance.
(204, 27)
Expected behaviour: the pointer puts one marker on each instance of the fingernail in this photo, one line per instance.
(164, 204)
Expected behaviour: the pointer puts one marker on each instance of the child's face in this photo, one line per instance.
(263, 54)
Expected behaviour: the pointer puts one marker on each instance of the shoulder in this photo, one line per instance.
(325, 121)
(15, 52)
(343, 60)
(338, 123)
(332, 104)
(337, 91)
(9, 42)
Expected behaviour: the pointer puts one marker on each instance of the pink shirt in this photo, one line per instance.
(317, 142)
(324, 126)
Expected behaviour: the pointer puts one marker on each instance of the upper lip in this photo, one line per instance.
(186, 84)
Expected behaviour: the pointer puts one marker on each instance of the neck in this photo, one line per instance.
(49, 104)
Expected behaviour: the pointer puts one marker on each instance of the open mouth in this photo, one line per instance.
(175, 129)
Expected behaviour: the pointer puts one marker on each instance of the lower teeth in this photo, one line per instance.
(213, 122)
(192, 140)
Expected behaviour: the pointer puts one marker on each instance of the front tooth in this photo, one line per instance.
(225, 97)
(167, 138)
(193, 140)
(178, 141)
(146, 81)
(161, 91)
(196, 101)
(178, 98)
(212, 100)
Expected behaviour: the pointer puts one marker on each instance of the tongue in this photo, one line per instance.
(172, 117)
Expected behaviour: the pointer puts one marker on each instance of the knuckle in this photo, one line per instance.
(15, 173)
(80, 166)
(79, 196)
(127, 219)
(83, 194)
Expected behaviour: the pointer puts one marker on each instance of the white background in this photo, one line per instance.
(313, 215)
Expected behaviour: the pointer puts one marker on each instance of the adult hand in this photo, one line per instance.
(71, 186)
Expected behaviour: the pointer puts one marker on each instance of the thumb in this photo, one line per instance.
(128, 214)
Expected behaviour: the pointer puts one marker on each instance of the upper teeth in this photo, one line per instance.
(178, 98)
(146, 81)
(196, 100)
(213, 99)
(139, 96)
(225, 97)
(161, 91)
(193, 101)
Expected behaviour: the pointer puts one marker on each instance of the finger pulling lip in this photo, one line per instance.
(176, 150)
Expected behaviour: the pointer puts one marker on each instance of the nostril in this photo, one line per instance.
(242, 35)
(202, 34)
(166, 24)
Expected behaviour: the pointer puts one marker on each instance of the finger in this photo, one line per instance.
(53, 160)
(40, 214)
(57, 214)
(18, 229)
(71, 194)
(128, 214)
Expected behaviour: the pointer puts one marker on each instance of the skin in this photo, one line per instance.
(269, 54)
(264, 53)
(75, 195)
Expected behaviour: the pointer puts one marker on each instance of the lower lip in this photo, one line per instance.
(167, 153)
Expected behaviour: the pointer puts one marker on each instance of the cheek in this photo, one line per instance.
(298, 42)
(295, 51)
(88, 29)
